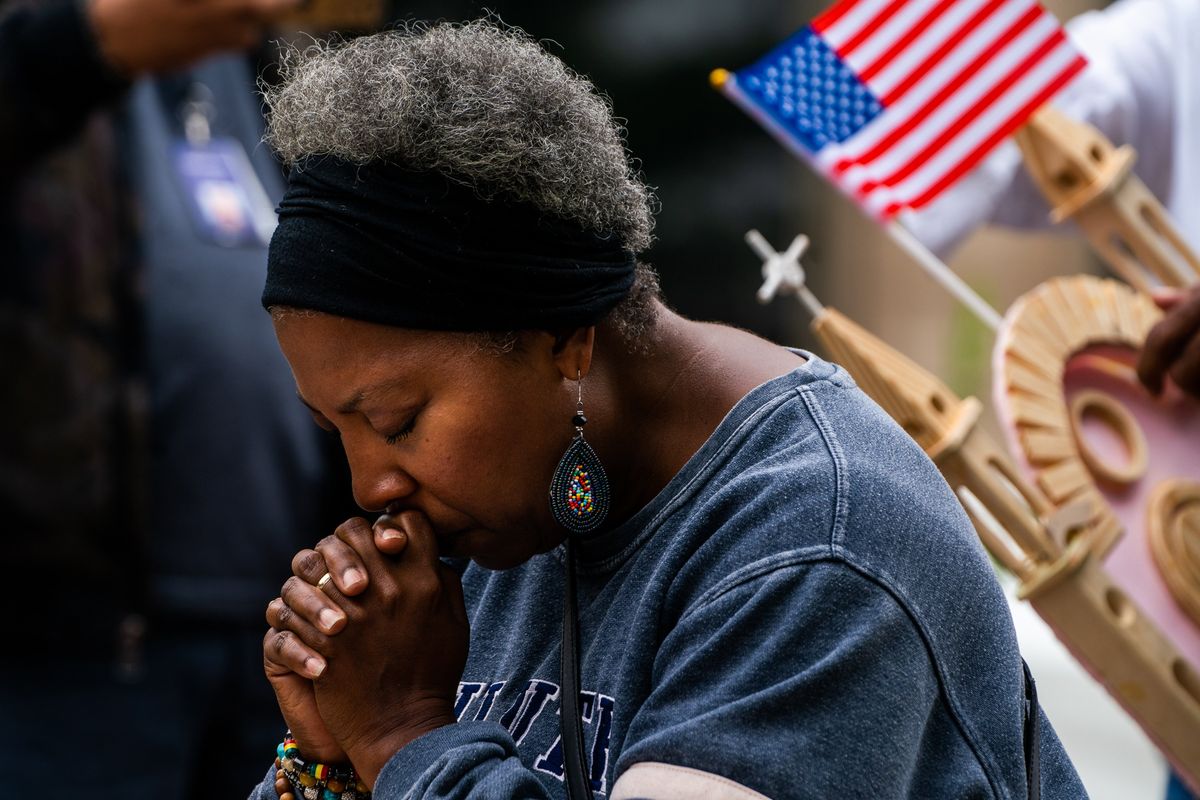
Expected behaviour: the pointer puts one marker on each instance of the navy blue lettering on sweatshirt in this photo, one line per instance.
(804, 611)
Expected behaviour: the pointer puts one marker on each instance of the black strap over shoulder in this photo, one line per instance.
(1033, 744)
(570, 718)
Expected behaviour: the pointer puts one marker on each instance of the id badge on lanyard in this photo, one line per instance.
(225, 198)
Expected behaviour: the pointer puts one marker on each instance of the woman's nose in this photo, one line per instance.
(377, 481)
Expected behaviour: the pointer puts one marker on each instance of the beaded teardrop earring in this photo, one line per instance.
(579, 495)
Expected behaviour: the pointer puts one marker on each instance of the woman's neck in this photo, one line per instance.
(655, 404)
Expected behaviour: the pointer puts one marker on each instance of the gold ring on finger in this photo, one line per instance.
(326, 578)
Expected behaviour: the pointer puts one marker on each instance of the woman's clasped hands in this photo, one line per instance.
(370, 659)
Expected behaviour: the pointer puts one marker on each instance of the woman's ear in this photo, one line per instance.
(573, 352)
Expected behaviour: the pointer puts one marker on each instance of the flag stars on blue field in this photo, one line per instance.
(807, 89)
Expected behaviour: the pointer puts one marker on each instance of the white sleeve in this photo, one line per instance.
(1139, 58)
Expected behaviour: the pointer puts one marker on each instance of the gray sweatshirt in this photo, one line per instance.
(804, 612)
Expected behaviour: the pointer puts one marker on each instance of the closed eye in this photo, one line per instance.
(402, 434)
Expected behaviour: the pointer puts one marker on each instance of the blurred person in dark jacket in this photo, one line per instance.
(155, 465)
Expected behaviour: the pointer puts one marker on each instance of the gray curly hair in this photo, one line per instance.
(484, 105)
(481, 103)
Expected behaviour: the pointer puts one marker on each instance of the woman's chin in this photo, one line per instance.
(491, 550)
(499, 549)
(498, 560)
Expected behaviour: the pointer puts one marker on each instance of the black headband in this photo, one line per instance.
(387, 244)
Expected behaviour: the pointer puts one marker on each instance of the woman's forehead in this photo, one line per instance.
(323, 345)
(341, 364)
(320, 332)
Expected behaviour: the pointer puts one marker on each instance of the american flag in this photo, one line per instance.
(895, 100)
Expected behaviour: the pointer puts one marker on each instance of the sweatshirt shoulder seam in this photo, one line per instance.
(816, 555)
(837, 456)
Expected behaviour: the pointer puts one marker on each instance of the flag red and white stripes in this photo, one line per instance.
(950, 79)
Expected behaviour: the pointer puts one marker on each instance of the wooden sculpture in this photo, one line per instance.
(1050, 534)
(1060, 318)
(1086, 179)
(1174, 518)
(1084, 429)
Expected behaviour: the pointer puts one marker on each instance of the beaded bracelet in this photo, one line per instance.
(313, 781)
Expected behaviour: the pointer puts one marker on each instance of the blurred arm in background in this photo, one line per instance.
(63, 60)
